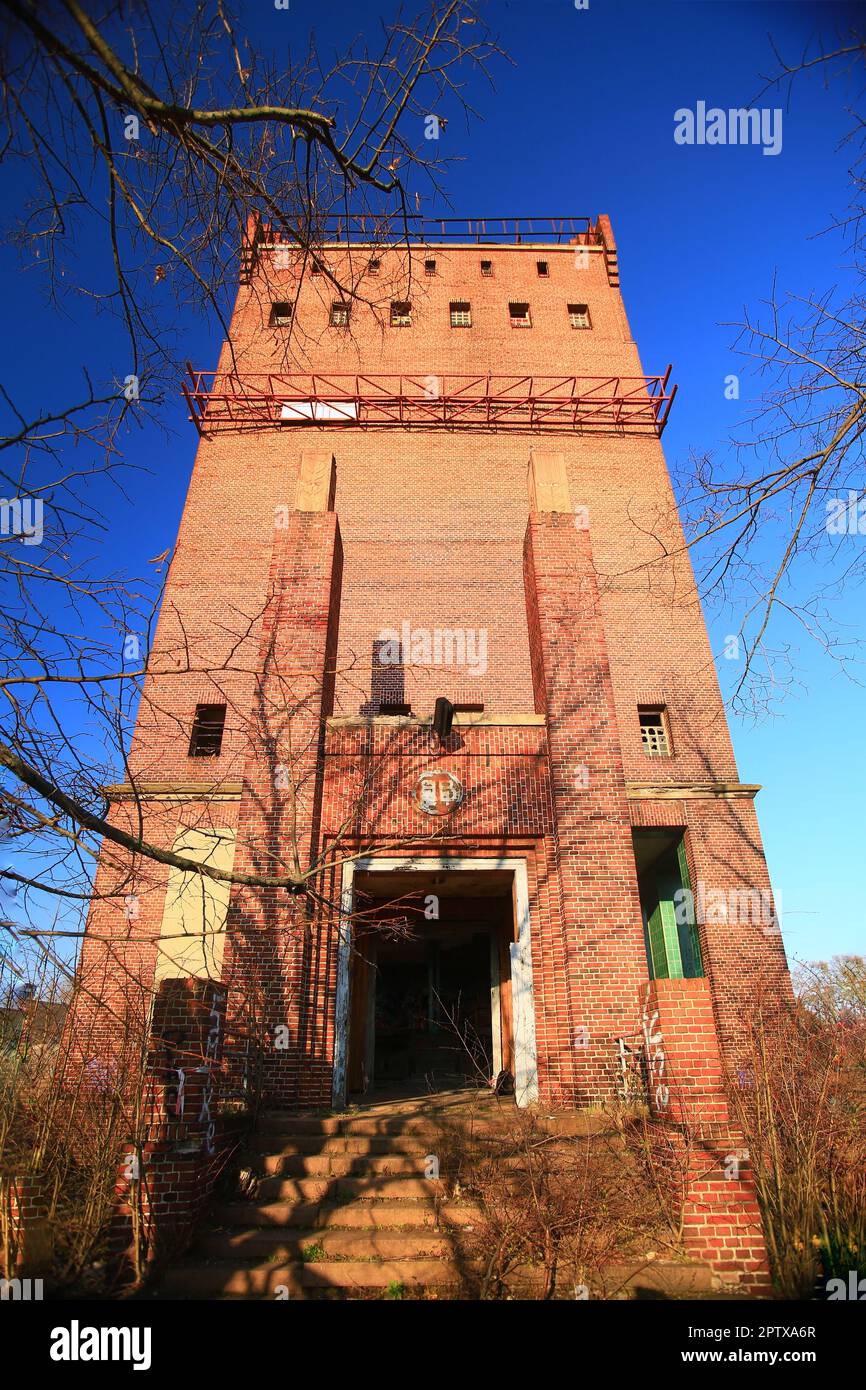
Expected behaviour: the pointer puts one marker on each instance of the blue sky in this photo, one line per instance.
(583, 122)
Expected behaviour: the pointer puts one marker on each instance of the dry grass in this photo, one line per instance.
(800, 1100)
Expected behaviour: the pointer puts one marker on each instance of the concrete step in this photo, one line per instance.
(347, 1215)
(368, 1126)
(285, 1246)
(676, 1279)
(372, 1187)
(270, 1280)
(422, 1124)
(341, 1165)
(317, 1144)
(284, 1122)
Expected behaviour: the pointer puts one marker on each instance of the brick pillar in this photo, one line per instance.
(165, 1181)
(276, 970)
(588, 972)
(26, 1227)
(691, 1121)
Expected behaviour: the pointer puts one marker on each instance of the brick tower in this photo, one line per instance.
(446, 486)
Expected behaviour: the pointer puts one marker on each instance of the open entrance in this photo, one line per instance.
(670, 930)
(435, 988)
(431, 981)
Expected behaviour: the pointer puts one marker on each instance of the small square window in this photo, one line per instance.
(519, 315)
(430, 266)
(401, 314)
(374, 265)
(207, 731)
(340, 315)
(461, 314)
(486, 267)
(578, 316)
(543, 269)
(281, 314)
(654, 731)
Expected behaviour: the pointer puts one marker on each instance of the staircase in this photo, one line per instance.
(341, 1206)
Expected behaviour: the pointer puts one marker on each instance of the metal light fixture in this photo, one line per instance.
(443, 718)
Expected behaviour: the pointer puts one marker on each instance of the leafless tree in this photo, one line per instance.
(778, 521)
(153, 142)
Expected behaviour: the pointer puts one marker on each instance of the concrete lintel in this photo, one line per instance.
(692, 791)
(174, 791)
(461, 721)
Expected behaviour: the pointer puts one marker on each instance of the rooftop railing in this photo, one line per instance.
(415, 228)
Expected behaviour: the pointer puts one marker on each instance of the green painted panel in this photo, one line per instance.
(690, 944)
(658, 955)
(668, 884)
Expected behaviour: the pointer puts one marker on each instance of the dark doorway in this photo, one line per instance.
(432, 1018)
(431, 982)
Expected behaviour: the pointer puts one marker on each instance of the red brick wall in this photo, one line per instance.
(433, 521)
(717, 1200)
(599, 957)
(432, 524)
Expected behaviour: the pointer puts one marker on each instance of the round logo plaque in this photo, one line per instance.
(437, 793)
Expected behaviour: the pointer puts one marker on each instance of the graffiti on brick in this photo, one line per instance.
(211, 1051)
(655, 1055)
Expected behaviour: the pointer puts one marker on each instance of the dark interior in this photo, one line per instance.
(432, 1009)
(422, 1001)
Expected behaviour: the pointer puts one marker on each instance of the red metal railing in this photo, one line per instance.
(393, 229)
(256, 400)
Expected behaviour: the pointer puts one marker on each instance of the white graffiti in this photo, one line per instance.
(211, 1050)
(655, 1056)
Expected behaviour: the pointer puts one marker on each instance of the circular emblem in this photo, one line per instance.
(437, 793)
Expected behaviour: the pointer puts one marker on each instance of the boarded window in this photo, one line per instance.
(281, 314)
(401, 314)
(461, 314)
(192, 936)
(206, 739)
(339, 315)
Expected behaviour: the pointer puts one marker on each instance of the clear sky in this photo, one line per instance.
(582, 123)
